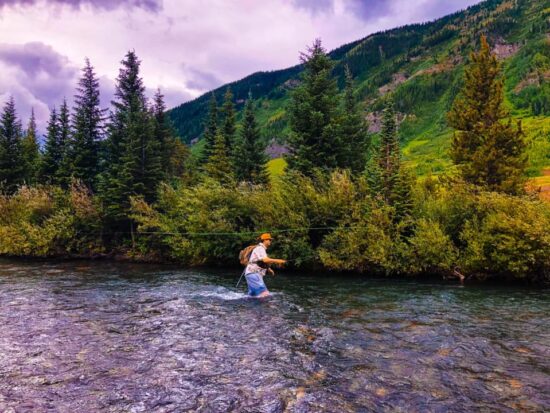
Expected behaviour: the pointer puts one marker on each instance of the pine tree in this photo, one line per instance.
(12, 172)
(387, 177)
(162, 132)
(219, 166)
(489, 151)
(31, 152)
(250, 151)
(313, 114)
(353, 131)
(211, 128)
(88, 128)
(133, 155)
(387, 158)
(63, 174)
(178, 165)
(173, 152)
(229, 123)
(52, 151)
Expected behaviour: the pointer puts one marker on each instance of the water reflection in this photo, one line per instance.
(122, 337)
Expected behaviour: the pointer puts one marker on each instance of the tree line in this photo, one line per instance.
(128, 151)
(346, 201)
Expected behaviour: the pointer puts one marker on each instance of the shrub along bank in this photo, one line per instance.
(323, 222)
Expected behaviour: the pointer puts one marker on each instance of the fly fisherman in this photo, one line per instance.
(258, 266)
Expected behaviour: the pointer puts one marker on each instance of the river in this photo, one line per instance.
(111, 337)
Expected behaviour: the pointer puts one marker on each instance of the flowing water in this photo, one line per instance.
(86, 337)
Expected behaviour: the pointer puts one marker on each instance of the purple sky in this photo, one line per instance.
(187, 47)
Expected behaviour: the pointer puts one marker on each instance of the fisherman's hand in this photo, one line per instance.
(281, 263)
(270, 271)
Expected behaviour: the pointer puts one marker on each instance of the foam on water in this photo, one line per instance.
(220, 292)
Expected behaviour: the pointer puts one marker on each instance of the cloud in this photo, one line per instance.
(172, 96)
(415, 11)
(37, 76)
(186, 47)
(315, 6)
(200, 80)
(150, 5)
(370, 9)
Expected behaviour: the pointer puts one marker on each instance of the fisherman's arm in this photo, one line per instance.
(274, 261)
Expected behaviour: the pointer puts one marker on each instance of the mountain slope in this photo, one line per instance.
(422, 65)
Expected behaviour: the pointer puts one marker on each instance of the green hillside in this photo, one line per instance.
(422, 65)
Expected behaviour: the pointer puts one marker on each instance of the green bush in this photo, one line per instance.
(47, 221)
(328, 222)
(507, 237)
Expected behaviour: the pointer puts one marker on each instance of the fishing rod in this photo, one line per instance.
(240, 278)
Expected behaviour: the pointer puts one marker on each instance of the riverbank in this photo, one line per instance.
(289, 272)
(449, 229)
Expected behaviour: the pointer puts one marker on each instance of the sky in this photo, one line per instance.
(187, 47)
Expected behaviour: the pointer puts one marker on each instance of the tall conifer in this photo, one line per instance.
(31, 151)
(211, 127)
(88, 128)
(488, 150)
(388, 179)
(250, 151)
(219, 165)
(53, 152)
(313, 113)
(174, 153)
(353, 130)
(12, 172)
(133, 158)
(229, 123)
(63, 174)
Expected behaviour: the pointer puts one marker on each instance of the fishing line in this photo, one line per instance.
(234, 233)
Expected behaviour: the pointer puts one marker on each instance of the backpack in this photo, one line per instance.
(244, 255)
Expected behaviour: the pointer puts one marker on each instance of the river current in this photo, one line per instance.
(106, 337)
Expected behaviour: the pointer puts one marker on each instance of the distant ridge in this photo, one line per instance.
(422, 65)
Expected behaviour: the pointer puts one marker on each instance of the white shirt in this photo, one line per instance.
(258, 254)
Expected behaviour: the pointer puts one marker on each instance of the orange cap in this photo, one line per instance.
(265, 236)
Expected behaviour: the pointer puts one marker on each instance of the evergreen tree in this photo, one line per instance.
(52, 151)
(173, 152)
(178, 164)
(211, 128)
(63, 174)
(250, 151)
(489, 151)
(353, 130)
(229, 125)
(88, 128)
(313, 113)
(162, 129)
(133, 155)
(387, 177)
(12, 164)
(31, 152)
(219, 166)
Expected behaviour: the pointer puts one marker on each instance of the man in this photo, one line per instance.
(258, 266)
